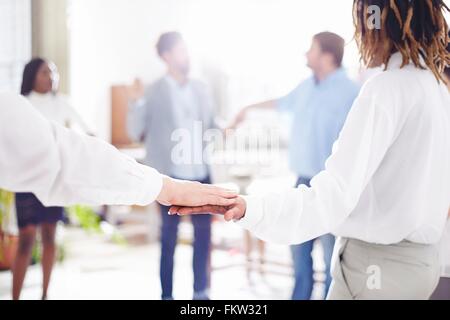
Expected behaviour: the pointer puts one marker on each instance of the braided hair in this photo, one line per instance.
(415, 28)
(29, 75)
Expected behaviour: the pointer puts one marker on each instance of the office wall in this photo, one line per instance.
(50, 36)
(112, 42)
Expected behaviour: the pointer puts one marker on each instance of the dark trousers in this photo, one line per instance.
(202, 245)
(303, 263)
(442, 291)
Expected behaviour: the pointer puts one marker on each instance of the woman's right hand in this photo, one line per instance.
(233, 212)
(194, 194)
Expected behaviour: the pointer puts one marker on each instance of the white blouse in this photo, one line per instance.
(62, 167)
(388, 178)
(56, 107)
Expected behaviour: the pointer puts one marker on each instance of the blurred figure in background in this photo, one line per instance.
(39, 85)
(172, 108)
(319, 106)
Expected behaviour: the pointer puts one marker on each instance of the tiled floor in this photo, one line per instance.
(98, 269)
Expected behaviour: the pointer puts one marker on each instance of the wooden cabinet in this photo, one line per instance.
(119, 105)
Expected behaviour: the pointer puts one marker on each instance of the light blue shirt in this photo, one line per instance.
(186, 113)
(319, 111)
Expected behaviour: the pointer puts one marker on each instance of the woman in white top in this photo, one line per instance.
(385, 191)
(39, 87)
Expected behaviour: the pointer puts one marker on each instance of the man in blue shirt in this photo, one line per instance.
(319, 106)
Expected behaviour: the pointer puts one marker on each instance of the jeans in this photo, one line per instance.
(202, 245)
(303, 263)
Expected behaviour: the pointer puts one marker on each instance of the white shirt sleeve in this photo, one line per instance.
(302, 214)
(62, 167)
(72, 116)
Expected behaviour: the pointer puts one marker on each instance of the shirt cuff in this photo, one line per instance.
(253, 214)
(151, 182)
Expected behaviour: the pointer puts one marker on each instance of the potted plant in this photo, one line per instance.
(8, 242)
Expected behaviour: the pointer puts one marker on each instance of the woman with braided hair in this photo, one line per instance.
(385, 190)
(416, 29)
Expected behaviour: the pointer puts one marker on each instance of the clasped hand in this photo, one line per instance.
(233, 212)
(189, 198)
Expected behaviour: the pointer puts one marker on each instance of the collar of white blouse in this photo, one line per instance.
(396, 62)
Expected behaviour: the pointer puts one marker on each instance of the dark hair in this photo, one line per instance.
(333, 44)
(167, 41)
(415, 28)
(29, 75)
(447, 68)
